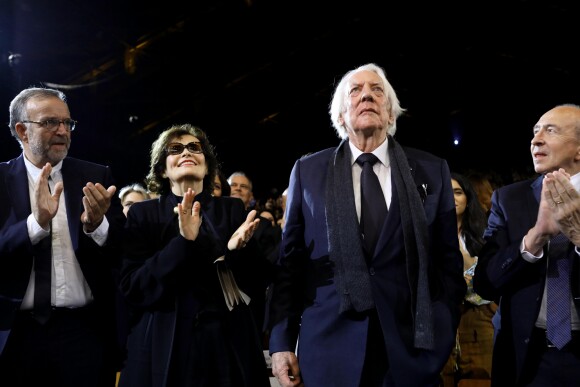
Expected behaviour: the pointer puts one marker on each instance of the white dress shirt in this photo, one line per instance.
(69, 287)
(382, 169)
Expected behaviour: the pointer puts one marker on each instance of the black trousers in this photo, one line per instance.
(549, 366)
(376, 366)
(67, 351)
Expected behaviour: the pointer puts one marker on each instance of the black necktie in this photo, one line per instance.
(42, 269)
(558, 317)
(373, 205)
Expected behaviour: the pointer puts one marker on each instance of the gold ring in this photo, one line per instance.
(184, 212)
(560, 202)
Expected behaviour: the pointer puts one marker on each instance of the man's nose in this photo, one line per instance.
(366, 96)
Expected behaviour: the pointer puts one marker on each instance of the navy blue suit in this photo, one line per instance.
(16, 250)
(502, 272)
(305, 306)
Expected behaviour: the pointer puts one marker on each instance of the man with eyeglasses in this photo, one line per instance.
(59, 220)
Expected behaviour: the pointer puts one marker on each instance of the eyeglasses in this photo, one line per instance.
(53, 124)
(177, 148)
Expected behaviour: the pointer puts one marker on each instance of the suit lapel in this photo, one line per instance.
(17, 187)
(392, 223)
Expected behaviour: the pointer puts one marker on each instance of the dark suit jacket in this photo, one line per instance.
(502, 272)
(173, 288)
(16, 250)
(305, 304)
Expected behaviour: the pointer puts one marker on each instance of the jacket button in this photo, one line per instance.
(372, 271)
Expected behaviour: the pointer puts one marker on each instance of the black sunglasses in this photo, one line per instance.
(177, 148)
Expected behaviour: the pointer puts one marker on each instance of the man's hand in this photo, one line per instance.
(96, 201)
(564, 203)
(285, 368)
(46, 203)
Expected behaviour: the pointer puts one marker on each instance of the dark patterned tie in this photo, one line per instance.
(558, 297)
(42, 269)
(373, 205)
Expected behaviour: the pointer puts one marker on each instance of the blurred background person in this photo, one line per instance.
(132, 193)
(221, 186)
(129, 195)
(472, 356)
(268, 214)
(242, 187)
(483, 185)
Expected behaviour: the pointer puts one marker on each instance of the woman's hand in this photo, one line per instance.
(189, 215)
(245, 232)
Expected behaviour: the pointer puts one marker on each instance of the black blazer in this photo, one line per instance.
(172, 286)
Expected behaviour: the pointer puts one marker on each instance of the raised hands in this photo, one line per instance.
(189, 215)
(245, 232)
(96, 202)
(564, 204)
(559, 212)
(46, 202)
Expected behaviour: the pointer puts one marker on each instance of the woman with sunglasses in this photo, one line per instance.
(189, 273)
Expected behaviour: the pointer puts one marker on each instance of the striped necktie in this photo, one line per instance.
(558, 328)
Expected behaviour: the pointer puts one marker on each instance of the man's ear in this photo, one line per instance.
(22, 131)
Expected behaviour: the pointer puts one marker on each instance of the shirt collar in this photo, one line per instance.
(382, 152)
(34, 171)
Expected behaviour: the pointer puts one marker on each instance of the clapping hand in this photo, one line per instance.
(189, 215)
(46, 202)
(96, 202)
(564, 204)
(245, 232)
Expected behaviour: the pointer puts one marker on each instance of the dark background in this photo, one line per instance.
(257, 76)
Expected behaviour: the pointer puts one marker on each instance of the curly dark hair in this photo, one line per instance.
(155, 181)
